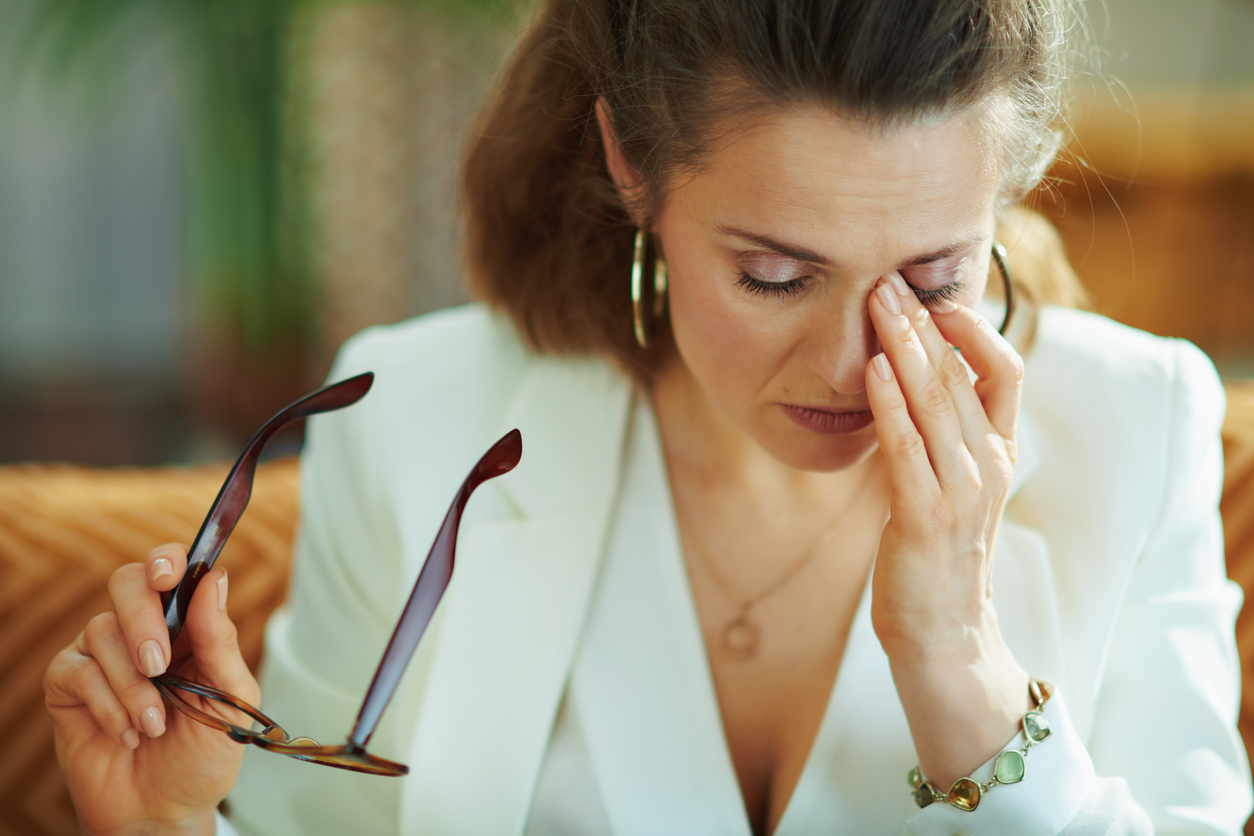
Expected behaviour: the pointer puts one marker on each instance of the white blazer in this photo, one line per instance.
(1109, 582)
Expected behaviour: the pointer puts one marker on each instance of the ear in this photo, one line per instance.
(626, 178)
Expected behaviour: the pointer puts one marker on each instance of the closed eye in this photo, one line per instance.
(776, 289)
(940, 294)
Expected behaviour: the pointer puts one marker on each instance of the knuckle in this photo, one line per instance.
(908, 444)
(951, 371)
(934, 397)
(101, 628)
(124, 577)
(85, 676)
(1016, 367)
(228, 633)
(112, 716)
(139, 693)
(986, 328)
(59, 669)
(1004, 471)
(1011, 451)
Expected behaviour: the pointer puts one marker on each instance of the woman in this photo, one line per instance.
(770, 549)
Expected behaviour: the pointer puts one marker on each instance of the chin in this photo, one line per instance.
(812, 451)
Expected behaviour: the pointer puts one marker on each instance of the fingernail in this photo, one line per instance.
(151, 720)
(160, 568)
(131, 738)
(944, 306)
(882, 370)
(889, 299)
(151, 657)
(899, 284)
(222, 592)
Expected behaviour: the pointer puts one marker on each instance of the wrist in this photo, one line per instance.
(962, 709)
(944, 638)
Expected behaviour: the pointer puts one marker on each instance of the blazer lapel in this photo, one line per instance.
(511, 620)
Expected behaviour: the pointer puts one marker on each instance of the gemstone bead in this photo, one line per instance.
(1009, 769)
(1036, 726)
(923, 795)
(915, 778)
(964, 794)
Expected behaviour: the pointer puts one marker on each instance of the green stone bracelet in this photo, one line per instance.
(965, 794)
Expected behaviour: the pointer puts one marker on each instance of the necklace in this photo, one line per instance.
(741, 636)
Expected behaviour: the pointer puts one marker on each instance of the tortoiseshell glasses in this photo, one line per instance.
(428, 590)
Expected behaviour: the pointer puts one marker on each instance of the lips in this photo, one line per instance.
(829, 422)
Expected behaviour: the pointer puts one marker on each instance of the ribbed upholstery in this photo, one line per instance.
(63, 530)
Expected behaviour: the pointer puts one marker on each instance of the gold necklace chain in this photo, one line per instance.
(742, 637)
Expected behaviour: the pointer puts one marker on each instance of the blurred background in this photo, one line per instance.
(200, 199)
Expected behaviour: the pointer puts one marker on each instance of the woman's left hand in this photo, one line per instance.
(949, 447)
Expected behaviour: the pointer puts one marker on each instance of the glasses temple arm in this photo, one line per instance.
(233, 498)
(432, 581)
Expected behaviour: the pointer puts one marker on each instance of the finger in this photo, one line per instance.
(998, 367)
(139, 612)
(929, 402)
(103, 642)
(165, 565)
(215, 641)
(972, 420)
(903, 448)
(75, 682)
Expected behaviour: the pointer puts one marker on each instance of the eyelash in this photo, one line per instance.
(930, 297)
(794, 286)
(778, 289)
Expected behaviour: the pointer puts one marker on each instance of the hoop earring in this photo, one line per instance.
(641, 328)
(1008, 282)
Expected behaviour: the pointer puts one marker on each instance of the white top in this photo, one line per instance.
(530, 707)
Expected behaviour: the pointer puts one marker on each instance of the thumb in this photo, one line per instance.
(215, 641)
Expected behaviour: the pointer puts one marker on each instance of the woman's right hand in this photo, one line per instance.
(132, 763)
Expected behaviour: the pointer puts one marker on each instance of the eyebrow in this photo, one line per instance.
(802, 254)
(778, 246)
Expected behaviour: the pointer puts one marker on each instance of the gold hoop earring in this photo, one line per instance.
(1008, 282)
(641, 328)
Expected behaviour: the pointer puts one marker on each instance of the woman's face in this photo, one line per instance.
(774, 248)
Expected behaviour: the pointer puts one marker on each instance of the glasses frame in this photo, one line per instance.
(432, 582)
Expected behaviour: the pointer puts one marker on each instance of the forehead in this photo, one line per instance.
(811, 171)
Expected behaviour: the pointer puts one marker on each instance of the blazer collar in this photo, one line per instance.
(572, 415)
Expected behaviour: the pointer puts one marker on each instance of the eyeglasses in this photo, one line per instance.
(434, 578)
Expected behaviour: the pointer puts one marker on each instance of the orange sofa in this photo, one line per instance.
(64, 529)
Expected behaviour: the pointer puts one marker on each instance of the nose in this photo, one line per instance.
(841, 341)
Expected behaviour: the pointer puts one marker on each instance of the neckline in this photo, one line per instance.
(827, 736)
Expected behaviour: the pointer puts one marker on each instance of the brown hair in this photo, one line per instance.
(549, 240)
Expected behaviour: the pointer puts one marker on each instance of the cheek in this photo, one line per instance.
(723, 337)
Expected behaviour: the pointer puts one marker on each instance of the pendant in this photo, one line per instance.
(741, 637)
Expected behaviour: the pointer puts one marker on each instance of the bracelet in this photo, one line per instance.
(965, 794)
